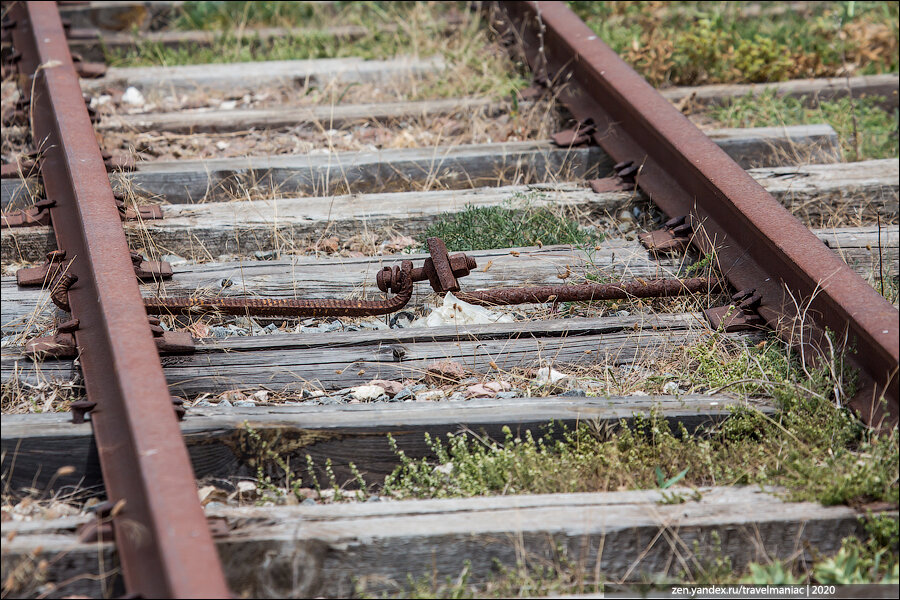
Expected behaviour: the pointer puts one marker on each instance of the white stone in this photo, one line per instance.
(454, 311)
(549, 375)
(134, 97)
(366, 392)
(430, 396)
(246, 486)
(671, 388)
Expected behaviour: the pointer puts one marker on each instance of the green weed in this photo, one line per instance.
(815, 449)
(864, 129)
(774, 573)
(484, 228)
(287, 482)
(874, 560)
(664, 483)
(691, 43)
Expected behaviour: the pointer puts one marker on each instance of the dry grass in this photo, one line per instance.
(476, 64)
(36, 393)
(501, 122)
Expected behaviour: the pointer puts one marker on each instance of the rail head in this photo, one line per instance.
(164, 544)
(807, 292)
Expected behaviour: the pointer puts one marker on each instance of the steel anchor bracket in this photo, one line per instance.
(59, 345)
(35, 215)
(38, 214)
(62, 344)
(170, 342)
(625, 179)
(57, 265)
(99, 529)
(150, 270)
(574, 136)
(88, 70)
(742, 315)
(27, 164)
(673, 238)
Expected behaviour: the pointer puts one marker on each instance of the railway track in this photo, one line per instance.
(232, 224)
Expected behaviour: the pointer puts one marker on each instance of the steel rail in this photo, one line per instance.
(590, 292)
(804, 286)
(164, 544)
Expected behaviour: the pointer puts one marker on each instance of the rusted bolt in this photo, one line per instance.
(441, 270)
(59, 290)
(178, 405)
(70, 326)
(80, 408)
(55, 256)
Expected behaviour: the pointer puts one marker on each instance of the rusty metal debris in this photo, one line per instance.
(38, 214)
(442, 271)
(639, 288)
(59, 345)
(56, 264)
(27, 164)
(289, 307)
(576, 135)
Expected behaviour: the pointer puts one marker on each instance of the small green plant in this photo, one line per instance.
(762, 59)
(265, 456)
(873, 560)
(664, 483)
(703, 265)
(487, 227)
(672, 498)
(773, 573)
(712, 566)
(311, 470)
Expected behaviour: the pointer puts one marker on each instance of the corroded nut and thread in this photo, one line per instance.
(460, 265)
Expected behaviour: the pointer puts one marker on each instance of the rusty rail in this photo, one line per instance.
(164, 544)
(652, 288)
(802, 284)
